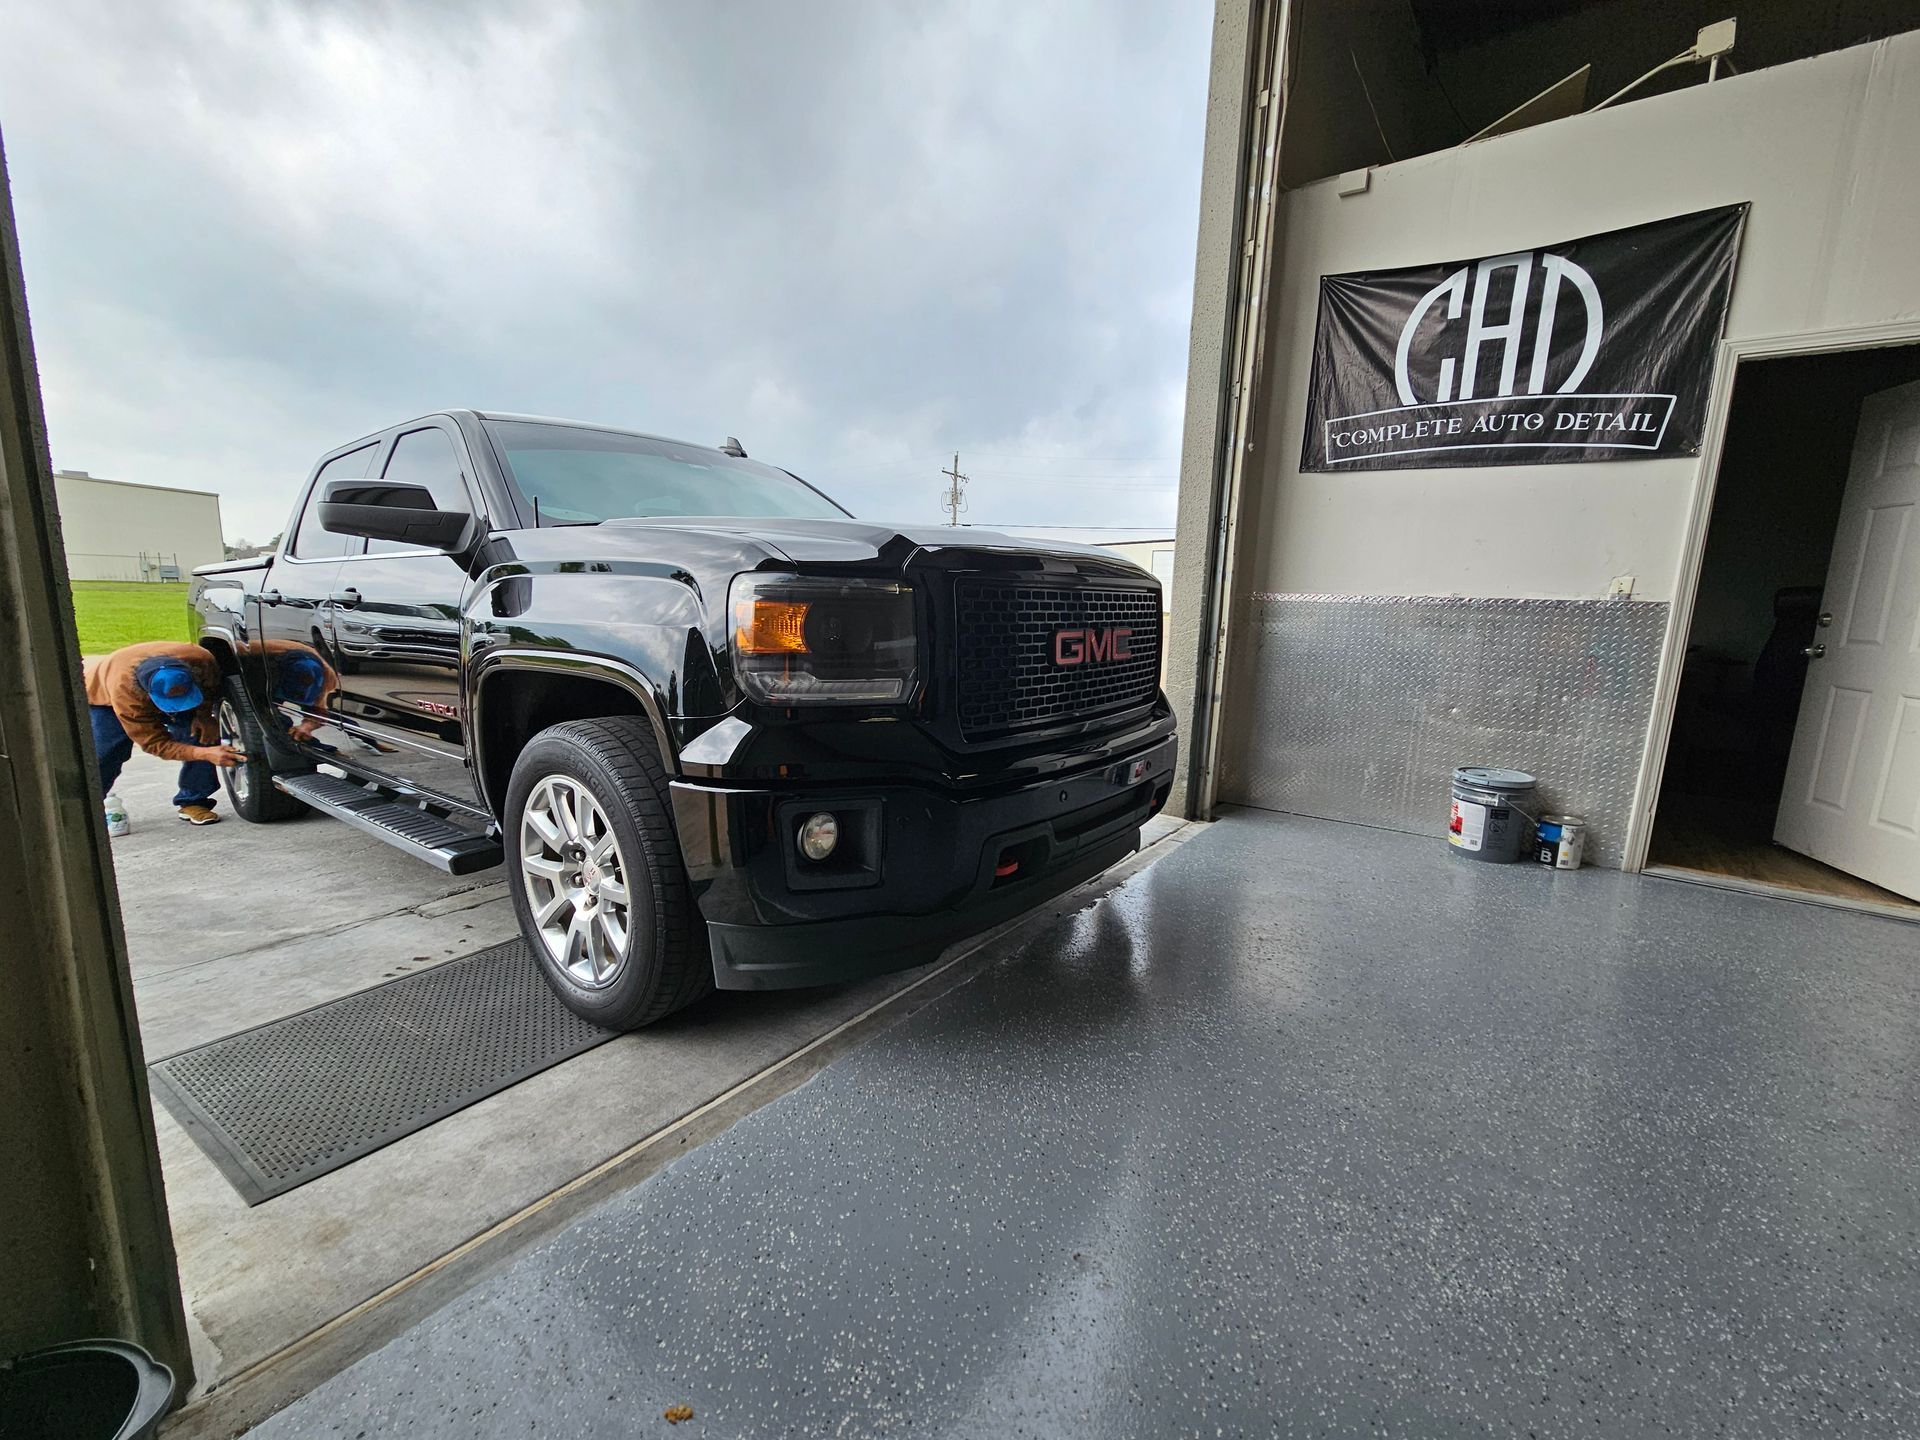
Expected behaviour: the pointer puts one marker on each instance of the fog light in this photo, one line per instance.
(819, 835)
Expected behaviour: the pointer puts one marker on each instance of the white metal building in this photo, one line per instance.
(1712, 652)
(117, 530)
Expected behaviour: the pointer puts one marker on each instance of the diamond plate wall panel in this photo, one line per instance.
(1358, 707)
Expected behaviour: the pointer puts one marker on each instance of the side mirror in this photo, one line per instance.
(382, 510)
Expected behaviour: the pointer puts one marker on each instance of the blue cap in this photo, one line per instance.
(299, 677)
(169, 684)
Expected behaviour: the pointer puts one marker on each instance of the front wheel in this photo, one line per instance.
(249, 784)
(598, 886)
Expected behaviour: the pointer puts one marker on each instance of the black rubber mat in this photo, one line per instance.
(285, 1102)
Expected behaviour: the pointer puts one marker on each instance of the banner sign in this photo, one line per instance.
(1598, 349)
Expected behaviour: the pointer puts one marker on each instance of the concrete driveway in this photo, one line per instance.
(233, 925)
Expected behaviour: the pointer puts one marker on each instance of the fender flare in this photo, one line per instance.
(222, 637)
(566, 662)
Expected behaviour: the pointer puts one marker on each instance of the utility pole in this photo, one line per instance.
(955, 498)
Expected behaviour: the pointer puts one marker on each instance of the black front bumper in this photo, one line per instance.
(922, 868)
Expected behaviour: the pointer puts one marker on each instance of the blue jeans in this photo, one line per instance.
(199, 781)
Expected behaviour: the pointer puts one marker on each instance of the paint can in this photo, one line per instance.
(1490, 818)
(1560, 841)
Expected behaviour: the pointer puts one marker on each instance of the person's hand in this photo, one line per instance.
(225, 756)
(304, 730)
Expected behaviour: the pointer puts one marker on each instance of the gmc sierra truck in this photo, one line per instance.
(720, 732)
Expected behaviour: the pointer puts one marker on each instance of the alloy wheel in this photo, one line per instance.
(576, 880)
(239, 777)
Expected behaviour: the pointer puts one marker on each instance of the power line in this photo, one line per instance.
(1043, 525)
(901, 461)
(1087, 459)
(1068, 479)
(955, 500)
(853, 462)
(1164, 483)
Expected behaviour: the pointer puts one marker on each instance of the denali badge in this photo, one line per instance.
(1077, 647)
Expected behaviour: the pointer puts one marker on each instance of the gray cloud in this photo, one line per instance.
(857, 236)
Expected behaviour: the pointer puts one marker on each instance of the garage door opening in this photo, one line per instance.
(1794, 760)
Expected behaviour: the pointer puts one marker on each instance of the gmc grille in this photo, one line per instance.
(1009, 678)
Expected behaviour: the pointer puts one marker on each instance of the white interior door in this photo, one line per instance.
(1852, 797)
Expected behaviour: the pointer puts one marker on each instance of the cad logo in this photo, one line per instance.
(1557, 273)
(1081, 647)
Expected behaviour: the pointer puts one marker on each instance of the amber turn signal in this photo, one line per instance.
(770, 627)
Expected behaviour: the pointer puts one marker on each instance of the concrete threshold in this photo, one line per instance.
(265, 1385)
(1907, 914)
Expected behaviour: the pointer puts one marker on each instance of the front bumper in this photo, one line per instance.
(926, 866)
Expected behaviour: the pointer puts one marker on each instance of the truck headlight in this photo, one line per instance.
(817, 641)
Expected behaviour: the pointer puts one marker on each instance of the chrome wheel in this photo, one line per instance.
(239, 777)
(576, 880)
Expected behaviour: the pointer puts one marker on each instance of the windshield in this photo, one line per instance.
(581, 476)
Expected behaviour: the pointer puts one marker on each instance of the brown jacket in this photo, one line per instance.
(110, 682)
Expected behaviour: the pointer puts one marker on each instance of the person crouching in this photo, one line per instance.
(161, 697)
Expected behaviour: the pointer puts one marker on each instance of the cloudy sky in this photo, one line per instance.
(857, 236)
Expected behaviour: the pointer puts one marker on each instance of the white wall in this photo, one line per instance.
(106, 524)
(1828, 152)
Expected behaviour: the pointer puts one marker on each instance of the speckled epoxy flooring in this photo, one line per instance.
(1310, 1129)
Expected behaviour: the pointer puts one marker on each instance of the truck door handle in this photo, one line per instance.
(345, 599)
(270, 597)
(1814, 652)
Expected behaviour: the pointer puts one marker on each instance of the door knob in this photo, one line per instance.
(345, 599)
(1814, 652)
(269, 597)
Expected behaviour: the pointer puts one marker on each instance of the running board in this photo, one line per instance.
(405, 824)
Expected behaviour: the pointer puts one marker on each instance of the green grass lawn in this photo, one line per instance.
(112, 613)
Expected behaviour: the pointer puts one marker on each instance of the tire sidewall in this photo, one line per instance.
(634, 987)
(263, 803)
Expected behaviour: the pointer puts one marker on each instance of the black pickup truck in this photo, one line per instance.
(719, 731)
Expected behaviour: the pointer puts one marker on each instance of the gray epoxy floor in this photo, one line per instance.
(1310, 1129)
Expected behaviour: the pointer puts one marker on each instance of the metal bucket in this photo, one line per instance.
(1492, 813)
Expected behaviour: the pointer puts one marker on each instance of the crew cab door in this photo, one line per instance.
(293, 612)
(396, 629)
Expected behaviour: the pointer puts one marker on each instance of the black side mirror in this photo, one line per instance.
(382, 510)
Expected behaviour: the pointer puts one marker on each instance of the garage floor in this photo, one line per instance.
(233, 925)
(1307, 1129)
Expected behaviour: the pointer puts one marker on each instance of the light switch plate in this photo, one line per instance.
(1621, 589)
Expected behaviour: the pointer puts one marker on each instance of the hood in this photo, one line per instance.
(853, 541)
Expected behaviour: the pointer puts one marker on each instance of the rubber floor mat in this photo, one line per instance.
(288, 1101)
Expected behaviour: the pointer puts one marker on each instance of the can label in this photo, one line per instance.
(1467, 827)
(1559, 843)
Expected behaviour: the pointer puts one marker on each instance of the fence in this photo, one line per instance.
(150, 566)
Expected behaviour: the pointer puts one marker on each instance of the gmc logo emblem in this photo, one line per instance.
(1077, 647)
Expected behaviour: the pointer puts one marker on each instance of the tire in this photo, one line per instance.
(249, 785)
(618, 965)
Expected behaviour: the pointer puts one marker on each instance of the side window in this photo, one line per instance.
(425, 457)
(310, 542)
